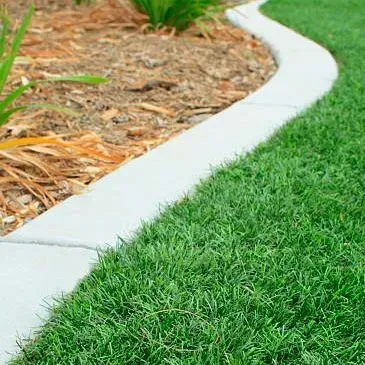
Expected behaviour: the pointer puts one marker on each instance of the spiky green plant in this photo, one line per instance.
(8, 53)
(177, 13)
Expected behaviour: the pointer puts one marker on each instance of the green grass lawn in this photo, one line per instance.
(265, 264)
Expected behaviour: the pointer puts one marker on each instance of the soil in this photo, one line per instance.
(160, 84)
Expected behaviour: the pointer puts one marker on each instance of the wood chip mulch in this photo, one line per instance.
(161, 83)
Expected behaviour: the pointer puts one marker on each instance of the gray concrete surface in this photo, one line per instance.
(30, 276)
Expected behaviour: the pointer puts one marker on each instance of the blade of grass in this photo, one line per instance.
(83, 79)
(4, 32)
(8, 100)
(5, 69)
(4, 117)
(53, 107)
(9, 61)
(21, 31)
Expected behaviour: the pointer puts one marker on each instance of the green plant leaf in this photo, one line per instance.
(8, 100)
(6, 64)
(9, 61)
(177, 13)
(4, 32)
(21, 31)
(83, 79)
(5, 69)
(4, 117)
(55, 108)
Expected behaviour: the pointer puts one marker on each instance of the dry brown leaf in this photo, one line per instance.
(156, 109)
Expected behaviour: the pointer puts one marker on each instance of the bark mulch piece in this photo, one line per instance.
(161, 84)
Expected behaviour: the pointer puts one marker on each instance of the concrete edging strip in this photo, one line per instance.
(30, 277)
(117, 204)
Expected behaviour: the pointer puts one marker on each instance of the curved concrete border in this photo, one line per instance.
(117, 204)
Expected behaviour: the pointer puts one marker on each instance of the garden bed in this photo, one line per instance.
(160, 84)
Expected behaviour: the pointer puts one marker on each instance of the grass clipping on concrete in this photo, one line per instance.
(264, 265)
